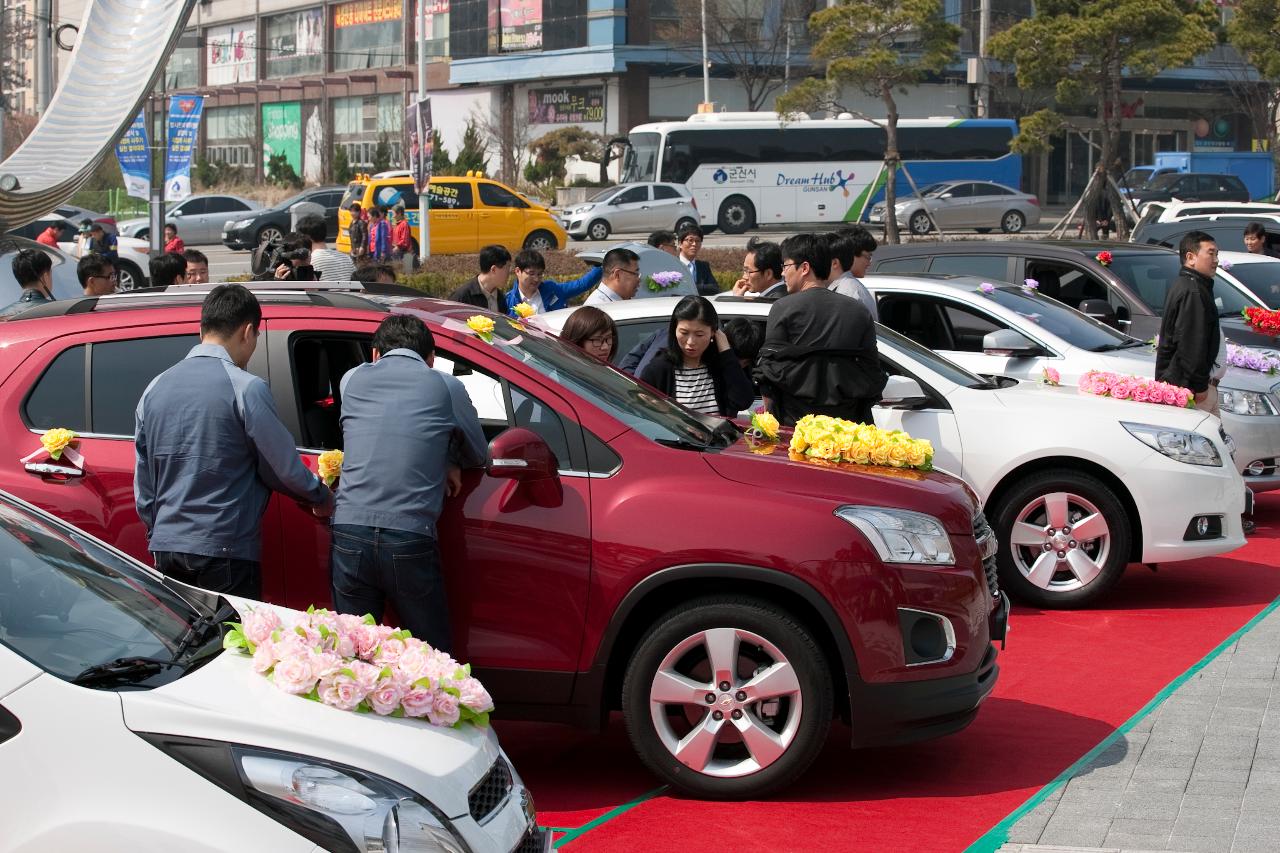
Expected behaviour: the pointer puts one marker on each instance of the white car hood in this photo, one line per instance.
(1070, 403)
(225, 700)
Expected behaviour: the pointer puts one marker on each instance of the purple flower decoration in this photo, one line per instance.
(660, 281)
(1226, 265)
(1031, 285)
(987, 288)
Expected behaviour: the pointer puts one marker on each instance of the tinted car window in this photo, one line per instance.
(991, 189)
(632, 196)
(529, 413)
(496, 196)
(1052, 316)
(631, 334)
(959, 190)
(1262, 279)
(983, 266)
(662, 193)
(122, 370)
(449, 195)
(390, 195)
(57, 399)
(222, 204)
(193, 206)
(903, 264)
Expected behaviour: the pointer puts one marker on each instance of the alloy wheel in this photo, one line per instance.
(270, 234)
(725, 702)
(1060, 542)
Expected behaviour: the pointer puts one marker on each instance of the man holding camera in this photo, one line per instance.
(329, 264)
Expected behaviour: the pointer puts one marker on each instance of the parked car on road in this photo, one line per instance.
(134, 255)
(80, 214)
(1175, 210)
(1076, 487)
(1128, 291)
(272, 223)
(66, 285)
(1011, 332)
(980, 205)
(110, 666)
(1190, 186)
(573, 592)
(636, 208)
(1227, 230)
(199, 218)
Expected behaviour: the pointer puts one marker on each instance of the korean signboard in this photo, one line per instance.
(520, 25)
(135, 160)
(184, 126)
(282, 133)
(566, 105)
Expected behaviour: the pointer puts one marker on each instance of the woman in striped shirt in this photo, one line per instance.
(697, 375)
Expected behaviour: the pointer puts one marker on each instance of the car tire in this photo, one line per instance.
(144, 234)
(543, 241)
(1060, 570)
(919, 223)
(131, 277)
(754, 638)
(598, 230)
(269, 233)
(1012, 222)
(685, 222)
(737, 214)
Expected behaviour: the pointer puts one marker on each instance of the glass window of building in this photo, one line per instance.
(437, 27)
(368, 34)
(294, 43)
(183, 69)
(360, 123)
(231, 53)
(229, 135)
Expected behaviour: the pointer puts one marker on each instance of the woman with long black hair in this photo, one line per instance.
(699, 369)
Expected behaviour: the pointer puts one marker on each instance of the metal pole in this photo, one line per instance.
(984, 32)
(424, 201)
(706, 63)
(44, 53)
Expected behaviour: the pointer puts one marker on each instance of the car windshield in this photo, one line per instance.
(1137, 177)
(934, 189)
(640, 157)
(1058, 319)
(614, 392)
(69, 603)
(1262, 278)
(887, 338)
(1163, 182)
(355, 193)
(604, 194)
(289, 202)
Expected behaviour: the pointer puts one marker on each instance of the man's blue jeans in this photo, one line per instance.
(373, 565)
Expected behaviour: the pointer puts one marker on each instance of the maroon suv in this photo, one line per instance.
(618, 552)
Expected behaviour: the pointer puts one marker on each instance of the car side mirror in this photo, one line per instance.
(902, 392)
(1100, 310)
(521, 455)
(945, 195)
(1010, 343)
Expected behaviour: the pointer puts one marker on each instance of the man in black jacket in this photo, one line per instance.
(689, 242)
(487, 289)
(1189, 329)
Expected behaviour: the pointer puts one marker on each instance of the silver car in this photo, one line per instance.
(630, 208)
(199, 218)
(980, 205)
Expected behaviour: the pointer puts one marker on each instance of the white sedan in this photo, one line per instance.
(1076, 487)
(125, 726)
(1013, 332)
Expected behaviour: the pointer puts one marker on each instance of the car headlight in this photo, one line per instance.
(902, 536)
(1239, 402)
(334, 806)
(1180, 444)
(242, 223)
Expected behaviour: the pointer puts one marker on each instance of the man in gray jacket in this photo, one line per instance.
(406, 430)
(210, 450)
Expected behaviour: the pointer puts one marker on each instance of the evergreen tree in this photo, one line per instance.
(382, 153)
(472, 156)
(341, 166)
(440, 162)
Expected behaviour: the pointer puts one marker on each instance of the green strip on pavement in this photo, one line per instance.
(999, 833)
(575, 834)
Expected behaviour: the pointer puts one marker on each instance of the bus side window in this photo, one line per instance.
(679, 164)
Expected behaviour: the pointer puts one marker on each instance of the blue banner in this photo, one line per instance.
(135, 158)
(184, 126)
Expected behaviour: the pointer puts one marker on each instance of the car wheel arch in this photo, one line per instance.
(1013, 475)
(668, 587)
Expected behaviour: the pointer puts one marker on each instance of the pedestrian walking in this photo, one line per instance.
(33, 270)
(172, 242)
(819, 355)
(379, 236)
(407, 430)
(210, 449)
(402, 240)
(358, 233)
(1189, 333)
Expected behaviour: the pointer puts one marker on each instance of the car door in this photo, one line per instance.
(331, 201)
(219, 210)
(629, 210)
(500, 214)
(669, 207)
(989, 202)
(952, 210)
(933, 420)
(454, 228)
(188, 217)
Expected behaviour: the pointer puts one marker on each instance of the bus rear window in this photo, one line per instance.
(355, 192)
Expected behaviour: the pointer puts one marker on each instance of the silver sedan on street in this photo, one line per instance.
(980, 205)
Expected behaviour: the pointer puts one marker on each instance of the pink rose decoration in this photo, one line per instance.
(444, 709)
(385, 697)
(1141, 393)
(367, 675)
(1122, 389)
(341, 691)
(474, 696)
(390, 651)
(412, 664)
(417, 701)
(259, 623)
(294, 674)
(365, 639)
(264, 657)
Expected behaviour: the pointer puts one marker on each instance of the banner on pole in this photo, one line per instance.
(135, 158)
(184, 125)
(419, 142)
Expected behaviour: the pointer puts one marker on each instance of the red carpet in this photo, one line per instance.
(1067, 680)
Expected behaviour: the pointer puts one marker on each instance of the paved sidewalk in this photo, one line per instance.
(1201, 772)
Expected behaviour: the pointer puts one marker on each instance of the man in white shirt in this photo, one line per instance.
(851, 250)
(620, 278)
(329, 264)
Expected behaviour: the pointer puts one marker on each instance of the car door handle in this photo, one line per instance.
(47, 469)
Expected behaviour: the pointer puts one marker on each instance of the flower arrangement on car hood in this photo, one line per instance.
(1103, 384)
(355, 664)
(838, 440)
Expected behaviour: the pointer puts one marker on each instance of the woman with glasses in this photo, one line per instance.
(593, 331)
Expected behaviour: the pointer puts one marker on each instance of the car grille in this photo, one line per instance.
(533, 841)
(987, 546)
(491, 791)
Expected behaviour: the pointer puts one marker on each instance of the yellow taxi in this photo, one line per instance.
(467, 212)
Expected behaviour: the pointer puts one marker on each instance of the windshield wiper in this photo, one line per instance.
(1113, 347)
(126, 670)
(202, 629)
(727, 431)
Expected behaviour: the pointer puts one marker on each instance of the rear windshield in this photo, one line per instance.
(355, 193)
(1152, 273)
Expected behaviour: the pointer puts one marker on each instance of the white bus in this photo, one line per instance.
(748, 169)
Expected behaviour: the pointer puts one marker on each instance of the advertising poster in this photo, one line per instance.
(135, 162)
(282, 133)
(364, 12)
(233, 53)
(520, 24)
(418, 144)
(184, 129)
(566, 105)
(291, 39)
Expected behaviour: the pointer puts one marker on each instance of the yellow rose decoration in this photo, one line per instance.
(833, 440)
(329, 466)
(482, 326)
(57, 440)
(766, 424)
(524, 310)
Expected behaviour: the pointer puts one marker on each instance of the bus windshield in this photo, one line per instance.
(640, 162)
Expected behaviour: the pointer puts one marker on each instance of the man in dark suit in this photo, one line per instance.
(689, 241)
(486, 289)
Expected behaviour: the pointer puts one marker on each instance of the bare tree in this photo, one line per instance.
(506, 131)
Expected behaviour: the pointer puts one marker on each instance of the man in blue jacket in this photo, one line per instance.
(210, 450)
(544, 294)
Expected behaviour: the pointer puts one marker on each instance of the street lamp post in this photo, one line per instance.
(706, 63)
(424, 204)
